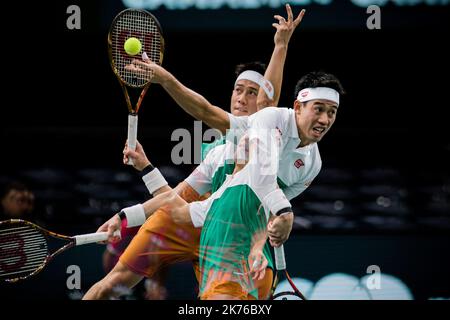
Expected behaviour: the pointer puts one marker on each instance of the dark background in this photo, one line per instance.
(63, 119)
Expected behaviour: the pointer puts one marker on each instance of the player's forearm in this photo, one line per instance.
(275, 70)
(180, 215)
(274, 73)
(162, 190)
(195, 104)
(161, 200)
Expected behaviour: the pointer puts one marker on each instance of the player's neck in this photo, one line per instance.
(303, 141)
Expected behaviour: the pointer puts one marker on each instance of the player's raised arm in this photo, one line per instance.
(191, 102)
(274, 72)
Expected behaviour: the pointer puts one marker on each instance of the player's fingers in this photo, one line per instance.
(102, 228)
(131, 154)
(273, 233)
(262, 273)
(256, 264)
(113, 236)
(299, 17)
(280, 19)
(132, 67)
(116, 236)
(143, 65)
(276, 243)
(289, 12)
(272, 236)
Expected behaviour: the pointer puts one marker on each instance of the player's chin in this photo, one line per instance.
(240, 112)
(317, 137)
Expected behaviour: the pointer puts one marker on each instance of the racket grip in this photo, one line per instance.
(132, 134)
(90, 238)
(280, 260)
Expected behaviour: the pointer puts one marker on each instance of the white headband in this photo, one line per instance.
(257, 78)
(318, 93)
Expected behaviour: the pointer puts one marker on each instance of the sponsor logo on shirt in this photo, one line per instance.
(298, 163)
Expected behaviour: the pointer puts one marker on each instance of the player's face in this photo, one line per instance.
(314, 119)
(243, 99)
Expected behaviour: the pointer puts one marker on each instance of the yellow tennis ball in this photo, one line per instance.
(132, 46)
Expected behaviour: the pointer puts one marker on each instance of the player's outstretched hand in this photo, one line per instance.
(285, 28)
(113, 227)
(148, 69)
(140, 160)
(258, 263)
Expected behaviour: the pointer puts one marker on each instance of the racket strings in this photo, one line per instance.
(23, 250)
(142, 26)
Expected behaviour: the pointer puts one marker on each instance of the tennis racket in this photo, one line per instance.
(280, 263)
(144, 26)
(24, 249)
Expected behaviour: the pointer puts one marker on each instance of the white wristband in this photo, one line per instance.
(135, 215)
(154, 180)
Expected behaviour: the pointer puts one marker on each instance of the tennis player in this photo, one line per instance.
(169, 243)
(234, 232)
(275, 135)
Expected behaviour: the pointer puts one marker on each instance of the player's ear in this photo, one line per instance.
(297, 106)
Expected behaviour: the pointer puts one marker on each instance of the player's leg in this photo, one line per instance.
(161, 242)
(112, 285)
(264, 285)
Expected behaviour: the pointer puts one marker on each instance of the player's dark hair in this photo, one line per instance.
(318, 79)
(255, 66)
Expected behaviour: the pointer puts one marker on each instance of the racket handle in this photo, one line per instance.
(90, 238)
(93, 237)
(280, 260)
(132, 134)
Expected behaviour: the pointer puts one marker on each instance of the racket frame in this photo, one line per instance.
(73, 241)
(280, 264)
(132, 112)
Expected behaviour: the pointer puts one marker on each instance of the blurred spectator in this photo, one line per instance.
(17, 201)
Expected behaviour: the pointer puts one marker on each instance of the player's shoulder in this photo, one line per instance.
(215, 151)
(236, 121)
(272, 113)
(206, 148)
